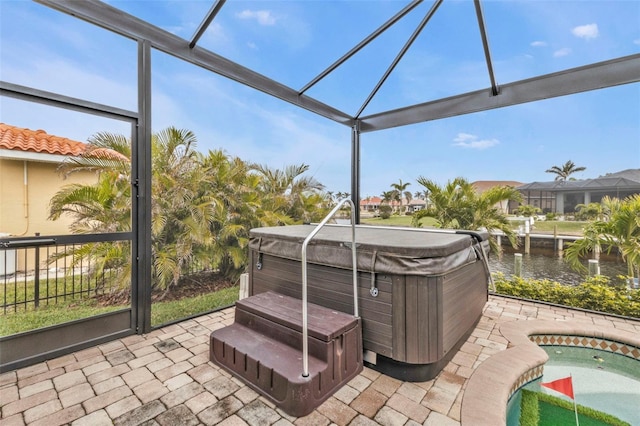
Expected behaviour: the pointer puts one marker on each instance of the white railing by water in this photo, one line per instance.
(305, 331)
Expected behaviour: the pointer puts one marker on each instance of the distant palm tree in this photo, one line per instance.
(387, 197)
(458, 206)
(563, 172)
(399, 191)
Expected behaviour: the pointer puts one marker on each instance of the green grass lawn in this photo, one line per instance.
(164, 312)
(161, 312)
(396, 220)
(48, 315)
(22, 291)
(564, 227)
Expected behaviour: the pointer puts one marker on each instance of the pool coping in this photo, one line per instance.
(499, 376)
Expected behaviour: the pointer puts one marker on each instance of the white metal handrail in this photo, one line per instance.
(305, 331)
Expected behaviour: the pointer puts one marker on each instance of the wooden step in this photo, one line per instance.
(264, 349)
(323, 323)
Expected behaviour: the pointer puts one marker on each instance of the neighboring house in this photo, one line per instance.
(505, 206)
(564, 196)
(370, 204)
(416, 204)
(29, 160)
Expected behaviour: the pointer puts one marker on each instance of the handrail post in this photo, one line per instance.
(305, 331)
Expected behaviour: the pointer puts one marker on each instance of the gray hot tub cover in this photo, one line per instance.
(397, 251)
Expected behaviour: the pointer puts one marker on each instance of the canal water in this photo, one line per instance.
(546, 265)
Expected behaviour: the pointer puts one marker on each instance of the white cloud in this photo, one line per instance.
(636, 41)
(538, 43)
(252, 45)
(586, 31)
(264, 17)
(467, 140)
(561, 52)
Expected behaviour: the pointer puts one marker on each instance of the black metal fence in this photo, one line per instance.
(34, 272)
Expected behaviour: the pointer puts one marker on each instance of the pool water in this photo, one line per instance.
(602, 380)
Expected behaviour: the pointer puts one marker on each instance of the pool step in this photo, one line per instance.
(263, 347)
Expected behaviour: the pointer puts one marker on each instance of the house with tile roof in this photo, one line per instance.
(29, 160)
(372, 204)
(563, 196)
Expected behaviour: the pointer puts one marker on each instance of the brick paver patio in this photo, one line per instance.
(165, 378)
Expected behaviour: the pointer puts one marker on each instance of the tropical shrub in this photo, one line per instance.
(528, 210)
(590, 211)
(385, 211)
(551, 216)
(595, 293)
(457, 205)
(619, 228)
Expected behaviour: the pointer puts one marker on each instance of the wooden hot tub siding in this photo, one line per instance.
(414, 319)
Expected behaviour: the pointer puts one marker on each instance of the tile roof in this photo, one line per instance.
(370, 201)
(21, 139)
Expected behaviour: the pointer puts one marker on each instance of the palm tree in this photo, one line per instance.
(101, 208)
(399, 190)
(203, 206)
(620, 228)
(456, 205)
(563, 172)
(387, 197)
(289, 193)
(191, 216)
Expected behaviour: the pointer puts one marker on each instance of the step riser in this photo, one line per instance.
(281, 333)
(249, 369)
(265, 351)
(296, 395)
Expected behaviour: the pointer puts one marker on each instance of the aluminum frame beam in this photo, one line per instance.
(600, 75)
(485, 46)
(119, 22)
(408, 8)
(205, 23)
(400, 54)
(61, 101)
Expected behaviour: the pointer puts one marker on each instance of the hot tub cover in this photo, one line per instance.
(400, 251)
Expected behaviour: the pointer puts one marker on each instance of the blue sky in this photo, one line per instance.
(293, 41)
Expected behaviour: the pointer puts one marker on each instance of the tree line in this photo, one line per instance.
(203, 205)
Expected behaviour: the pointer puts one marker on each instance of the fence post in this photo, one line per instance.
(517, 267)
(36, 279)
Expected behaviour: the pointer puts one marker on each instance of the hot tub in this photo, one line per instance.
(420, 292)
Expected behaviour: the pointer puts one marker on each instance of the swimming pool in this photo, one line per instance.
(497, 380)
(603, 380)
